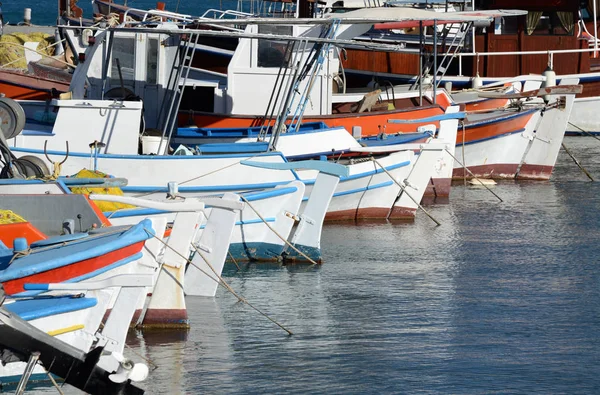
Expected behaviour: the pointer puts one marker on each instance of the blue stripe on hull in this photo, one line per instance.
(254, 251)
(6, 381)
(313, 253)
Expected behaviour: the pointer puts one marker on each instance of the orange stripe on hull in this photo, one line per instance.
(23, 93)
(9, 232)
(371, 123)
(477, 132)
(73, 270)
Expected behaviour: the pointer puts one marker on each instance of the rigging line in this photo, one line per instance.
(222, 282)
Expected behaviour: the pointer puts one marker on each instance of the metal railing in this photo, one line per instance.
(549, 53)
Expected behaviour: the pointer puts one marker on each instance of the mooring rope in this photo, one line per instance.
(276, 233)
(221, 281)
(403, 188)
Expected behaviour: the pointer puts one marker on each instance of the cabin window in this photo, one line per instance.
(152, 61)
(506, 25)
(271, 53)
(554, 23)
(123, 50)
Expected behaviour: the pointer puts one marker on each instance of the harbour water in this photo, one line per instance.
(44, 12)
(501, 298)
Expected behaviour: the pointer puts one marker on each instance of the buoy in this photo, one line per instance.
(27, 16)
(550, 77)
(476, 82)
(549, 81)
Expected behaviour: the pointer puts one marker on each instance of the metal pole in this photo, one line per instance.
(420, 63)
(473, 29)
(595, 29)
(434, 59)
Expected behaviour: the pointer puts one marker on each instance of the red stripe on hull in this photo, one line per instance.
(506, 171)
(73, 270)
(402, 214)
(358, 214)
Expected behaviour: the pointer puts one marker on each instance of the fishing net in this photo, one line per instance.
(10, 217)
(12, 51)
(103, 206)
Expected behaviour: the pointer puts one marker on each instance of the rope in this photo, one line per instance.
(56, 169)
(276, 233)
(233, 259)
(473, 175)
(54, 383)
(220, 281)
(577, 162)
(584, 131)
(34, 50)
(19, 254)
(403, 188)
(200, 176)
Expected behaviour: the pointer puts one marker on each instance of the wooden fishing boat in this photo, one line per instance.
(24, 86)
(560, 35)
(73, 321)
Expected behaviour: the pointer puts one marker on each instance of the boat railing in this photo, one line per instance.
(222, 14)
(549, 53)
(157, 13)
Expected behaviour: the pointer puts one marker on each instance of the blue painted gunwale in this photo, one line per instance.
(33, 309)
(254, 131)
(45, 258)
(199, 189)
(142, 157)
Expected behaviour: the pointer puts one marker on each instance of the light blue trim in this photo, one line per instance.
(36, 133)
(33, 309)
(365, 174)
(63, 255)
(83, 277)
(250, 221)
(441, 117)
(142, 157)
(205, 188)
(322, 166)
(271, 193)
(253, 131)
(367, 188)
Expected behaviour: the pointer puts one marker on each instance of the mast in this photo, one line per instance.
(595, 29)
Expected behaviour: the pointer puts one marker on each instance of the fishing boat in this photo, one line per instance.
(166, 307)
(560, 38)
(119, 155)
(70, 322)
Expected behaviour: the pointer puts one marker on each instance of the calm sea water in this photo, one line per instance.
(502, 298)
(44, 12)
